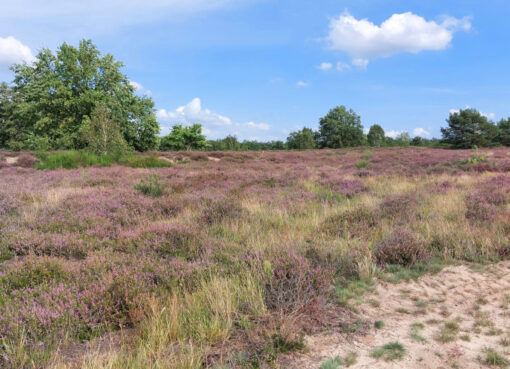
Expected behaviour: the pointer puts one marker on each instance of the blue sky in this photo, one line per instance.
(262, 68)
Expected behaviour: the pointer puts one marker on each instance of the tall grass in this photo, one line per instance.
(79, 159)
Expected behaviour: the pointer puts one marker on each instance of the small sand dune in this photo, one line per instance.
(474, 304)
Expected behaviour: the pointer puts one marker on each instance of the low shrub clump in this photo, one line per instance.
(292, 282)
(221, 210)
(402, 247)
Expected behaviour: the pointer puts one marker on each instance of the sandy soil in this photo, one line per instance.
(478, 300)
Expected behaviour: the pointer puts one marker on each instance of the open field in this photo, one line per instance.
(229, 259)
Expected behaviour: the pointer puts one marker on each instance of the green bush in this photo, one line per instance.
(151, 187)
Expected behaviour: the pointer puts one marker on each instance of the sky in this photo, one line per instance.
(260, 69)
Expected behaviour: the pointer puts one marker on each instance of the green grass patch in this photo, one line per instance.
(150, 187)
(82, 159)
(389, 352)
(493, 358)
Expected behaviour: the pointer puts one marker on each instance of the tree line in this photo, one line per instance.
(77, 98)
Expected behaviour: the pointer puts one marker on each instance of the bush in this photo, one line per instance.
(150, 187)
(26, 160)
(400, 248)
(481, 206)
(218, 211)
(357, 222)
(292, 282)
(399, 207)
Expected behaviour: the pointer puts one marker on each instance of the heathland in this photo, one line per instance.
(231, 259)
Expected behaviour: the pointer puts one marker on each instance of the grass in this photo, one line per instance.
(494, 359)
(448, 332)
(83, 159)
(379, 324)
(195, 290)
(334, 363)
(150, 187)
(389, 352)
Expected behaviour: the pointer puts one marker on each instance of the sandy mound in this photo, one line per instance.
(445, 320)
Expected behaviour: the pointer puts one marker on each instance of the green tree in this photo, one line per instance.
(403, 139)
(468, 128)
(56, 95)
(301, 140)
(375, 136)
(102, 134)
(184, 138)
(341, 128)
(504, 132)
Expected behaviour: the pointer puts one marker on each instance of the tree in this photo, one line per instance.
(403, 139)
(468, 128)
(102, 133)
(184, 138)
(57, 94)
(375, 136)
(301, 140)
(504, 132)
(341, 128)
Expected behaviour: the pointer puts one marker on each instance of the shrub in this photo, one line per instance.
(218, 211)
(26, 160)
(169, 240)
(480, 207)
(399, 207)
(150, 187)
(292, 282)
(357, 222)
(400, 248)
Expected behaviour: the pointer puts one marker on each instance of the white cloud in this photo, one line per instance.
(193, 113)
(13, 51)
(325, 66)
(214, 125)
(342, 67)
(392, 133)
(301, 84)
(421, 132)
(406, 32)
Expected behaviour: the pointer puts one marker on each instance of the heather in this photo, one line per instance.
(227, 252)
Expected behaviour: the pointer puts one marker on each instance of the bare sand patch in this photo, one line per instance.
(477, 302)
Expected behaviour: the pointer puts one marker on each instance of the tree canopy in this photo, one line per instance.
(301, 140)
(184, 138)
(469, 128)
(375, 136)
(341, 128)
(51, 99)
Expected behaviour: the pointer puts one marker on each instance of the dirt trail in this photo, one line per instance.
(477, 301)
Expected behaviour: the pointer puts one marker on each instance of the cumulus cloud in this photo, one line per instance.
(193, 113)
(401, 33)
(325, 66)
(214, 125)
(13, 51)
(392, 133)
(301, 84)
(421, 132)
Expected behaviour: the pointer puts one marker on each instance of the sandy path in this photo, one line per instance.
(478, 301)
